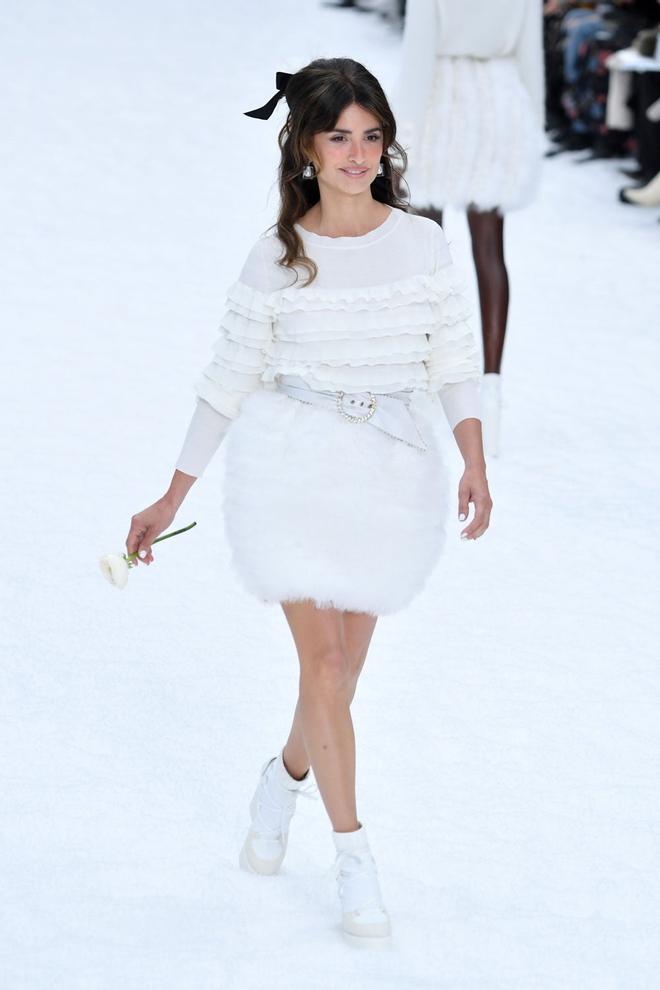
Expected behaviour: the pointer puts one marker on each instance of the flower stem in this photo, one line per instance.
(175, 532)
(165, 536)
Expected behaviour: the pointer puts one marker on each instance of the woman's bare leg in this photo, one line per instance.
(322, 734)
(358, 630)
(487, 233)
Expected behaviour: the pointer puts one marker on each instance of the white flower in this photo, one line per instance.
(115, 567)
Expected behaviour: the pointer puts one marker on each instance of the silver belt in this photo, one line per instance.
(388, 412)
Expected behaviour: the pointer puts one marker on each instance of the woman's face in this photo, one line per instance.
(349, 155)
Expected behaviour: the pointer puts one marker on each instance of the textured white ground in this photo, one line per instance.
(507, 721)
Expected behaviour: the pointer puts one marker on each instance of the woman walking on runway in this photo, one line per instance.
(340, 334)
(469, 102)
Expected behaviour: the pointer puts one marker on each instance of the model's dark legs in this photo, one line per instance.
(487, 233)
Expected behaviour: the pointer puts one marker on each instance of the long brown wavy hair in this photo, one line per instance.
(317, 95)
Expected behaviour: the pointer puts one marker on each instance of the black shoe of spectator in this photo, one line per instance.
(577, 142)
(610, 145)
(574, 142)
(599, 153)
(639, 174)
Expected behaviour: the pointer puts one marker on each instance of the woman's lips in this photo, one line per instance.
(354, 174)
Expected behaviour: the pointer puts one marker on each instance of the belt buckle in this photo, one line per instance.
(352, 418)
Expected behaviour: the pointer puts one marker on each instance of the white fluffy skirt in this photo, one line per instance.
(318, 508)
(481, 145)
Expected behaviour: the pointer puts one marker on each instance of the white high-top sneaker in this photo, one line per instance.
(364, 917)
(272, 808)
(491, 407)
(648, 195)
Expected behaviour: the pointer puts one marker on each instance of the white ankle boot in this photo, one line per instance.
(363, 914)
(648, 195)
(272, 808)
(491, 408)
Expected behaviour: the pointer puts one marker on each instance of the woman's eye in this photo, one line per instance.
(372, 137)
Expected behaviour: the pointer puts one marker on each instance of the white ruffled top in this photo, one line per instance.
(384, 313)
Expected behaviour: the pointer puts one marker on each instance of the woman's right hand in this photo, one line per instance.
(146, 526)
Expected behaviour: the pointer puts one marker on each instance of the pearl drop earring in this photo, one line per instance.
(308, 172)
(380, 170)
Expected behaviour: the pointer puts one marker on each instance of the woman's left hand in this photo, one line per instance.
(473, 487)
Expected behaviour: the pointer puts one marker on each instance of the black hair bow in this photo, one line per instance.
(264, 112)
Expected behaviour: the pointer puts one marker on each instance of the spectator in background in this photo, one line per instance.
(647, 129)
(579, 26)
(584, 37)
(469, 104)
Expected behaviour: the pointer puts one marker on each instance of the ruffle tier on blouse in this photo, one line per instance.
(240, 352)
(408, 333)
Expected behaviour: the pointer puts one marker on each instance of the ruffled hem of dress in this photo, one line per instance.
(224, 402)
(435, 287)
(383, 378)
(224, 381)
(247, 305)
(250, 302)
(370, 349)
(401, 349)
(340, 324)
(453, 360)
(237, 356)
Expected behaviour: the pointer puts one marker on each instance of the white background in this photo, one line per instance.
(507, 721)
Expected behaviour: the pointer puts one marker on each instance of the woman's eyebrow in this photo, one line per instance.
(342, 130)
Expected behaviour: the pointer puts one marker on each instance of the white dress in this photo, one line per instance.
(317, 507)
(469, 102)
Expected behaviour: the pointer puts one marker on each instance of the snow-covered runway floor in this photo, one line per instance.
(507, 722)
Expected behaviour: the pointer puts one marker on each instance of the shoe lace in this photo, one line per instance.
(348, 865)
(274, 814)
(360, 871)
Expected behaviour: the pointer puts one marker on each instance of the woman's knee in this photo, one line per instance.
(328, 668)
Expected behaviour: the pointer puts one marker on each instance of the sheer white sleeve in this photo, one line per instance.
(205, 434)
(454, 362)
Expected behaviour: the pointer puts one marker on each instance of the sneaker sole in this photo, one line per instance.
(244, 861)
(367, 941)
